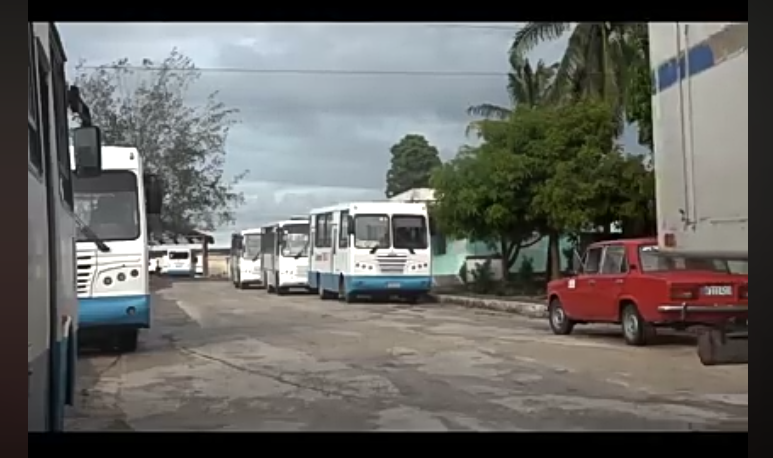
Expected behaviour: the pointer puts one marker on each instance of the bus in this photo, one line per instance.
(52, 305)
(285, 255)
(246, 260)
(372, 249)
(113, 279)
(180, 262)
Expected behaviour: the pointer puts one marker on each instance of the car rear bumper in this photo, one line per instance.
(687, 312)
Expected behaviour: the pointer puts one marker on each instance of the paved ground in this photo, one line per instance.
(220, 359)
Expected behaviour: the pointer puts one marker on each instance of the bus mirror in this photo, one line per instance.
(350, 225)
(154, 194)
(87, 145)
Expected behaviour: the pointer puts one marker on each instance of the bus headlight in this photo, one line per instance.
(107, 281)
(135, 273)
(121, 277)
(364, 266)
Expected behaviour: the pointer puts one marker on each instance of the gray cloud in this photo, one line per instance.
(327, 135)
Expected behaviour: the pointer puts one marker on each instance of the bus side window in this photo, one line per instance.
(343, 236)
(35, 152)
(61, 134)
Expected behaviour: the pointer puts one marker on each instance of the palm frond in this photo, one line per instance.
(489, 111)
(534, 33)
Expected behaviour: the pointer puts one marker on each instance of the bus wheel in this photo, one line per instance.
(128, 341)
(342, 294)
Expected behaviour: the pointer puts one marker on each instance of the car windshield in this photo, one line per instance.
(179, 255)
(372, 232)
(295, 241)
(652, 261)
(251, 246)
(108, 205)
(410, 232)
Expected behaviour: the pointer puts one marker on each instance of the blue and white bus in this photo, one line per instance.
(113, 277)
(371, 249)
(52, 306)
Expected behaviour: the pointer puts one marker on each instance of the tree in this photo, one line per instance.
(413, 161)
(526, 86)
(485, 194)
(569, 148)
(602, 60)
(184, 144)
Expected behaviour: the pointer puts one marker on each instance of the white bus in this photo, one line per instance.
(180, 262)
(374, 249)
(246, 259)
(285, 254)
(113, 278)
(52, 305)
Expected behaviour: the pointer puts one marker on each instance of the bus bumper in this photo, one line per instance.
(179, 272)
(398, 285)
(119, 311)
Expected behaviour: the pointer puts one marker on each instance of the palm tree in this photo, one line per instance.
(526, 86)
(597, 62)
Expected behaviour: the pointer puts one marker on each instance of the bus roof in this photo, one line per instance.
(116, 158)
(375, 207)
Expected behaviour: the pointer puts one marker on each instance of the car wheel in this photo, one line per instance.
(560, 323)
(636, 331)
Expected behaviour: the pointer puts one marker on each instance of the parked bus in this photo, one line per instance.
(246, 258)
(113, 279)
(180, 262)
(285, 255)
(375, 249)
(52, 307)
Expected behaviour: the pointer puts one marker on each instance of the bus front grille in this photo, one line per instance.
(391, 265)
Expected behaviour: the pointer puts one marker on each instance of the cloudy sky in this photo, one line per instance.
(316, 138)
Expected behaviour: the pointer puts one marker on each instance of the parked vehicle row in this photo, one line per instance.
(349, 252)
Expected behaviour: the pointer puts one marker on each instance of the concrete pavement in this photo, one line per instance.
(219, 359)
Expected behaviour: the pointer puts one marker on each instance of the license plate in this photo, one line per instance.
(718, 291)
(393, 285)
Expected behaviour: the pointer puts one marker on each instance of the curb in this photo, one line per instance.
(527, 309)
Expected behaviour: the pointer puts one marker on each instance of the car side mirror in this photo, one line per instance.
(154, 194)
(87, 146)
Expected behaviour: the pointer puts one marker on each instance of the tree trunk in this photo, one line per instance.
(554, 256)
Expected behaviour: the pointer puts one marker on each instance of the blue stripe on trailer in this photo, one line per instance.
(115, 311)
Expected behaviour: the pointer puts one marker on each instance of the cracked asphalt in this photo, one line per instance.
(218, 359)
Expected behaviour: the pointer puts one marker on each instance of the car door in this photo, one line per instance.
(578, 298)
(610, 282)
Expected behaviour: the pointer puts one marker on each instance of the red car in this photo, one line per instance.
(627, 282)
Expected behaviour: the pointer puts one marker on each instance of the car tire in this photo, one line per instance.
(636, 331)
(560, 323)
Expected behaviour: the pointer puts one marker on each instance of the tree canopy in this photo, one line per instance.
(183, 142)
(413, 161)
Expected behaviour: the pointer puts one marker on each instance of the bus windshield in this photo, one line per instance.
(251, 246)
(295, 241)
(411, 232)
(179, 255)
(652, 261)
(372, 232)
(108, 204)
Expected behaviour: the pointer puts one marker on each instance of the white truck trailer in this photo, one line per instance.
(701, 154)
